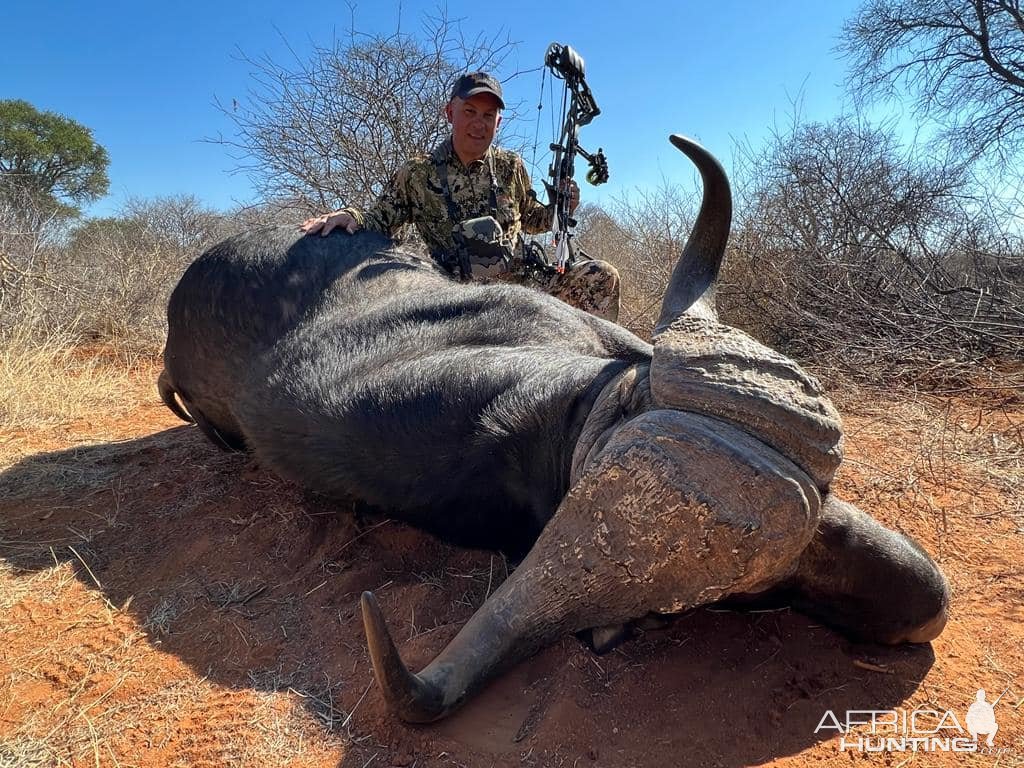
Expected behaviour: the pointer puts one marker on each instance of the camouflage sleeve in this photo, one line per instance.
(535, 217)
(393, 208)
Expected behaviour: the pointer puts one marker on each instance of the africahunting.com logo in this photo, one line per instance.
(916, 730)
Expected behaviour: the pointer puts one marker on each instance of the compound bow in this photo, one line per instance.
(566, 64)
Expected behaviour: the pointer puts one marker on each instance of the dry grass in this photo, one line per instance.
(985, 433)
(51, 380)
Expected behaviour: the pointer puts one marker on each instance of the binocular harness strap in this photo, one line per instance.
(460, 258)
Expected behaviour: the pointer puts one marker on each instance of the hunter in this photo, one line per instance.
(471, 202)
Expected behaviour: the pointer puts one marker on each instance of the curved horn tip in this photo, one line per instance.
(409, 696)
(682, 142)
(692, 149)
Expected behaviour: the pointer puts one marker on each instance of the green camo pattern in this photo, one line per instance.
(415, 196)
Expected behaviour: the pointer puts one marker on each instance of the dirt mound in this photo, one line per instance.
(166, 604)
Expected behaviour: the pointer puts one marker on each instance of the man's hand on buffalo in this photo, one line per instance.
(329, 222)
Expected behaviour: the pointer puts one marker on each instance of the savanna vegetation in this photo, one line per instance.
(850, 251)
(162, 603)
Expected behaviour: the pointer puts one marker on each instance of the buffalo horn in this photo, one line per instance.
(692, 286)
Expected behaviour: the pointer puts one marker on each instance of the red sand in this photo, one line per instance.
(165, 604)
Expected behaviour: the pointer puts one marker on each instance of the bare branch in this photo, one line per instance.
(331, 130)
(856, 253)
(962, 60)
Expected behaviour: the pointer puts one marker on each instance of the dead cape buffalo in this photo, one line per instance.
(636, 479)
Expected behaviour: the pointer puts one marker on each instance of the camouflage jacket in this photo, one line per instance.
(415, 196)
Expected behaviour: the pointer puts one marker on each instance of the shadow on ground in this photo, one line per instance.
(255, 585)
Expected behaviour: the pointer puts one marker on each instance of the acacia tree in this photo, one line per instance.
(963, 61)
(334, 128)
(50, 156)
(49, 165)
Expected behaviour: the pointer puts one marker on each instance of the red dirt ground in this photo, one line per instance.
(166, 604)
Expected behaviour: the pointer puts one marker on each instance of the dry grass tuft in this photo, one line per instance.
(88, 466)
(954, 465)
(26, 753)
(47, 586)
(51, 380)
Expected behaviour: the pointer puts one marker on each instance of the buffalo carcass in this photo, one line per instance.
(635, 479)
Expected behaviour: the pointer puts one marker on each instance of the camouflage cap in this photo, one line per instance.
(477, 82)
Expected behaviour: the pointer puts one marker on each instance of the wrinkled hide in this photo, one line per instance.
(634, 535)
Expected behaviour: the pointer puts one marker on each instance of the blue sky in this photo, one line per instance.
(144, 77)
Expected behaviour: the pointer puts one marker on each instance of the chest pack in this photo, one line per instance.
(482, 250)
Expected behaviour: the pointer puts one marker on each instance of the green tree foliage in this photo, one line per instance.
(50, 156)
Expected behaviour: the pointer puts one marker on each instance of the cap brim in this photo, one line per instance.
(482, 89)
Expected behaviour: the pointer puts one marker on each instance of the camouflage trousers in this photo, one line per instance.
(590, 285)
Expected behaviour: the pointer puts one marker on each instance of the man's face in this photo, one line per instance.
(474, 122)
